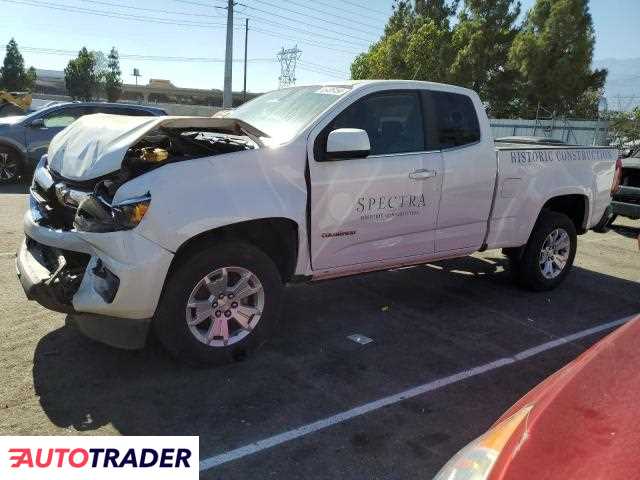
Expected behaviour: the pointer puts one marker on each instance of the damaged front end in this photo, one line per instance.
(87, 205)
(82, 254)
(50, 275)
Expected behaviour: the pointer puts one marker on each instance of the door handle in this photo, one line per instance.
(422, 174)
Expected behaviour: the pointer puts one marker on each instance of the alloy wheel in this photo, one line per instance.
(554, 254)
(8, 167)
(225, 306)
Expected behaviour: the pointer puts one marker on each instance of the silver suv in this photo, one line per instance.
(24, 139)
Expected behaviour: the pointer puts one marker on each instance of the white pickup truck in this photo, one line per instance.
(192, 226)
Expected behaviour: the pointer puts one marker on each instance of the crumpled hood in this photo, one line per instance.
(95, 145)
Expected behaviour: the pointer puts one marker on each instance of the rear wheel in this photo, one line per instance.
(219, 305)
(549, 253)
(9, 166)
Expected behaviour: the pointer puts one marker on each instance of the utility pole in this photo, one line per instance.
(227, 95)
(246, 38)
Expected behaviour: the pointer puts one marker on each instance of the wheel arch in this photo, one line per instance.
(278, 237)
(573, 205)
(22, 155)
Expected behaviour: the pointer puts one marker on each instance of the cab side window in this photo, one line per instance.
(393, 121)
(63, 117)
(457, 119)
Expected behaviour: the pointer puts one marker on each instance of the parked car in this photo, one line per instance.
(193, 225)
(581, 422)
(24, 139)
(625, 192)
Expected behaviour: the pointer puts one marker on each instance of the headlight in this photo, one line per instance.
(129, 213)
(476, 460)
(97, 215)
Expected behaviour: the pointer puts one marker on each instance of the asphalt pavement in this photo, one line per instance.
(312, 403)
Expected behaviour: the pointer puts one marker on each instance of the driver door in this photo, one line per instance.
(383, 206)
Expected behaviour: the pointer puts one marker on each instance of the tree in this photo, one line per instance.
(482, 39)
(437, 10)
(429, 53)
(112, 78)
(13, 76)
(552, 55)
(624, 127)
(414, 45)
(80, 76)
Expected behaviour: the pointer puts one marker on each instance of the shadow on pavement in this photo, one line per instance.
(20, 187)
(626, 231)
(427, 322)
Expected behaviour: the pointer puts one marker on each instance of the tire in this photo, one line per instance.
(537, 276)
(604, 225)
(10, 166)
(203, 342)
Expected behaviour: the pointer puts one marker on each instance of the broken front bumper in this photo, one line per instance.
(38, 277)
(109, 283)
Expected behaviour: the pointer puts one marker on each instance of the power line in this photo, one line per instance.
(125, 56)
(324, 67)
(281, 36)
(367, 7)
(360, 13)
(314, 17)
(313, 70)
(306, 32)
(102, 13)
(199, 4)
(69, 8)
(154, 10)
(302, 30)
(297, 21)
(350, 21)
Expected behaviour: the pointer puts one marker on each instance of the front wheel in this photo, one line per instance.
(219, 305)
(549, 253)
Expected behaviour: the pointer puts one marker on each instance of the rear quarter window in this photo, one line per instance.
(457, 119)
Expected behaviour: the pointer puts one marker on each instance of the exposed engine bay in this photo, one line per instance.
(169, 145)
(87, 205)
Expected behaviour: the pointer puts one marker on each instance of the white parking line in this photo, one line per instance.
(287, 436)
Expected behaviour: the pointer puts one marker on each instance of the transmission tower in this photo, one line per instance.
(288, 59)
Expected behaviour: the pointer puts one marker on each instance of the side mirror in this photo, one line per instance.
(345, 143)
(38, 123)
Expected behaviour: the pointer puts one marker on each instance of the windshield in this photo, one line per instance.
(281, 114)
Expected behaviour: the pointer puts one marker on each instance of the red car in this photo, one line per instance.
(583, 422)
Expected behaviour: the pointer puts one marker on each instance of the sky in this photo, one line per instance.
(330, 33)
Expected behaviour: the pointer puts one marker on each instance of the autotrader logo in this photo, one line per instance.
(69, 458)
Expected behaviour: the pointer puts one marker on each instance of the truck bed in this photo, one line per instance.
(527, 172)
